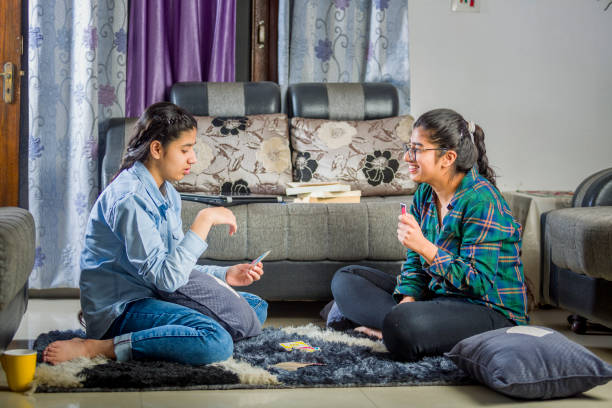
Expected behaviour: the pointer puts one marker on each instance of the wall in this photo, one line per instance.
(535, 74)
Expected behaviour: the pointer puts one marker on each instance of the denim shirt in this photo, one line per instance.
(135, 246)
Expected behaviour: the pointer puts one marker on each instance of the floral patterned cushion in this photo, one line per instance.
(366, 154)
(240, 155)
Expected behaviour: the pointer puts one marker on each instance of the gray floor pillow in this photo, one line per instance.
(530, 362)
(214, 298)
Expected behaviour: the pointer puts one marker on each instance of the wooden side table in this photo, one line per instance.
(527, 207)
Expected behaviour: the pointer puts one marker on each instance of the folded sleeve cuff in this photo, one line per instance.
(218, 271)
(193, 244)
(408, 286)
(406, 290)
(440, 263)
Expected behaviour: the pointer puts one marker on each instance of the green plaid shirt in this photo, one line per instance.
(478, 254)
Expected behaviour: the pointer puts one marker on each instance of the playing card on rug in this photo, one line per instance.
(299, 345)
(294, 365)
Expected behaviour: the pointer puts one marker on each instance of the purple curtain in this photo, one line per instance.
(177, 40)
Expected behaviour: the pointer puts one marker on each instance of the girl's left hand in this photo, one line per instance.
(244, 274)
(409, 232)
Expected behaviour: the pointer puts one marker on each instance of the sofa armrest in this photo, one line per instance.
(580, 240)
(17, 249)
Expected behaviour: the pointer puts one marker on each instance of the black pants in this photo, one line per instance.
(410, 330)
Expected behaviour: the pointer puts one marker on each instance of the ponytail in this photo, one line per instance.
(483, 162)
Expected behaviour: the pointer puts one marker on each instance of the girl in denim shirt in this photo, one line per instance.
(135, 249)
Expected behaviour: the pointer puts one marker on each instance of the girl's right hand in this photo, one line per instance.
(208, 217)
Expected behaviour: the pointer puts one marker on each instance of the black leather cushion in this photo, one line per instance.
(343, 101)
(226, 98)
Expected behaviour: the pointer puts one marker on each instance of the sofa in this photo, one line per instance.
(308, 242)
(577, 254)
(17, 249)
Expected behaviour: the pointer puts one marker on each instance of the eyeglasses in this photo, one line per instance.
(412, 151)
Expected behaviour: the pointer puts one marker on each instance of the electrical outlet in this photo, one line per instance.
(471, 6)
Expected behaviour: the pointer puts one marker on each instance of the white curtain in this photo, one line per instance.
(77, 62)
(345, 41)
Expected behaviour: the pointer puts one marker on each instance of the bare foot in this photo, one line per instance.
(369, 331)
(65, 350)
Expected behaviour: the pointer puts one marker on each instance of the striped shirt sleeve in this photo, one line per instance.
(413, 280)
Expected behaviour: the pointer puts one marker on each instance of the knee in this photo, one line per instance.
(225, 348)
(259, 306)
(215, 347)
(338, 283)
(403, 333)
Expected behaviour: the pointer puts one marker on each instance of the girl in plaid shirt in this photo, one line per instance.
(463, 274)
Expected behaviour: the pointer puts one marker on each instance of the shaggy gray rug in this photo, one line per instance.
(344, 359)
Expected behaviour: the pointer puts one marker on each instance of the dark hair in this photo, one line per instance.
(450, 131)
(162, 121)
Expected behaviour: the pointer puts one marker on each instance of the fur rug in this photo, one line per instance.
(345, 359)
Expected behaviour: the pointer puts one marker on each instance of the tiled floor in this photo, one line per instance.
(45, 315)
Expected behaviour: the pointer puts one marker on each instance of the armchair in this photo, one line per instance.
(17, 249)
(577, 248)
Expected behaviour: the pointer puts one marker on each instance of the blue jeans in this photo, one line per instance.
(155, 329)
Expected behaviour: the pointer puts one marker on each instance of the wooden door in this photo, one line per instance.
(11, 49)
(264, 40)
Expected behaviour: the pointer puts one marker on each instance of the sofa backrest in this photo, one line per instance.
(352, 133)
(199, 98)
(227, 98)
(333, 101)
(342, 101)
(113, 146)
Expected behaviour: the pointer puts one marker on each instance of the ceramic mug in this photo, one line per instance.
(19, 366)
